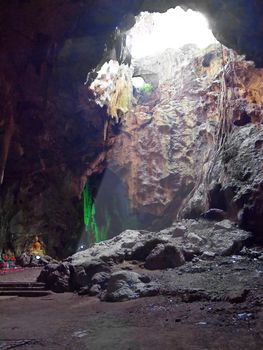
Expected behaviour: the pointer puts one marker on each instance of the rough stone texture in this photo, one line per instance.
(164, 256)
(135, 245)
(56, 277)
(239, 173)
(98, 270)
(26, 260)
(83, 273)
(168, 159)
(46, 53)
(126, 285)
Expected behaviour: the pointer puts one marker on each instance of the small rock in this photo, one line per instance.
(225, 224)
(234, 248)
(237, 296)
(189, 254)
(244, 316)
(24, 260)
(179, 231)
(84, 273)
(150, 290)
(100, 278)
(83, 291)
(202, 323)
(194, 238)
(145, 279)
(208, 255)
(214, 214)
(95, 290)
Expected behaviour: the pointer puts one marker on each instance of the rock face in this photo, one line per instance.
(171, 161)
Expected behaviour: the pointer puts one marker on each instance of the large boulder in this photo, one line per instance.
(83, 274)
(164, 256)
(57, 277)
(126, 285)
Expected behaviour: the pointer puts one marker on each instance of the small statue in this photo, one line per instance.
(36, 247)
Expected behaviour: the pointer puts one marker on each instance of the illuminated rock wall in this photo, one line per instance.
(167, 148)
(52, 133)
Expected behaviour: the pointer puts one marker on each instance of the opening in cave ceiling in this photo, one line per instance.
(155, 32)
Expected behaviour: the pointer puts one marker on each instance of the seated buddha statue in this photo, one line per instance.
(36, 247)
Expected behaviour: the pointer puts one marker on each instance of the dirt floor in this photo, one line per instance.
(68, 321)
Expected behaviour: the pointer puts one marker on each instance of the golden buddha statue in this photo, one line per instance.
(36, 247)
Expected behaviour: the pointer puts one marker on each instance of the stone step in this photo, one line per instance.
(25, 293)
(21, 288)
(24, 285)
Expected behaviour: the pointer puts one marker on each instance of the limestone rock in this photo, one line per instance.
(56, 277)
(194, 238)
(237, 296)
(93, 268)
(24, 260)
(126, 285)
(226, 245)
(168, 140)
(214, 214)
(208, 255)
(164, 256)
(95, 290)
(179, 230)
(225, 224)
(100, 278)
(142, 249)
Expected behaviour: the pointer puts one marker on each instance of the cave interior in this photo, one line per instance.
(131, 166)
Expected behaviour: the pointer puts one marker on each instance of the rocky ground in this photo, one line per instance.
(202, 279)
(138, 263)
(206, 304)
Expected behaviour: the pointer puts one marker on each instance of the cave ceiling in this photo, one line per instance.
(36, 28)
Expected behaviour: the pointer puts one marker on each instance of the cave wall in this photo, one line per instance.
(166, 154)
(51, 132)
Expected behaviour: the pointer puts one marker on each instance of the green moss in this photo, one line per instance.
(146, 88)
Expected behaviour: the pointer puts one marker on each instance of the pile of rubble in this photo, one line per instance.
(123, 267)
